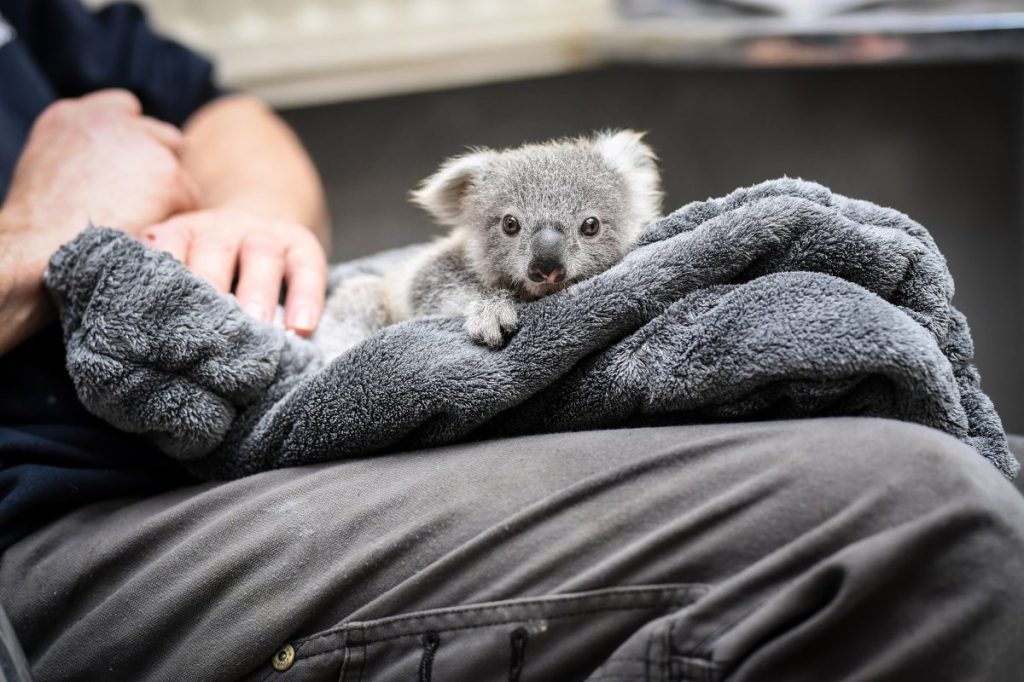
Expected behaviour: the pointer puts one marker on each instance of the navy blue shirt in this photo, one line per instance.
(55, 456)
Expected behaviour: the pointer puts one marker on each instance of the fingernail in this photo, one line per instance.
(303, 320)
(255, 310)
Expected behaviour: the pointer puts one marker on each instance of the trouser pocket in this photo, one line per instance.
(557, 637)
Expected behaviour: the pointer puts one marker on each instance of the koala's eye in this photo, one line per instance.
(510, 225)
(590, 227)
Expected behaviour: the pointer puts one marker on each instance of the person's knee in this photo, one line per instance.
(901, 470)
(969, 519)
(891, 529)
(906, 453)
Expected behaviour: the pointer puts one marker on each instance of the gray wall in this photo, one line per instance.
(942, 144)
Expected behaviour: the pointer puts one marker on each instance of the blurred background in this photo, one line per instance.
(915, 105)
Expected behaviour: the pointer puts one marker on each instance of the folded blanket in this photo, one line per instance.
(776, 301)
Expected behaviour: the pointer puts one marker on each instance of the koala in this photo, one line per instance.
(524, 223)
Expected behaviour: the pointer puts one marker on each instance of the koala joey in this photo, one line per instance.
(524, 223)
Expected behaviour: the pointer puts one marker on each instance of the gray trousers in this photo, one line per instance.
(819, 550)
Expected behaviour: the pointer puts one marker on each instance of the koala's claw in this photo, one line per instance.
(488, 321)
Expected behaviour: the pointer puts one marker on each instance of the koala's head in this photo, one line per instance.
(540, 217)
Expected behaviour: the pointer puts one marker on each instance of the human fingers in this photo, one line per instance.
(114, 98)
(306, 277)
(213, 251)
(171, 236)
(261, 268)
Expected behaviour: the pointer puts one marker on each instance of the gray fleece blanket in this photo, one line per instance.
(777, 301)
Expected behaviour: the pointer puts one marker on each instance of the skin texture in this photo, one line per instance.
(263, 218)
(234, 197)
(95, 158)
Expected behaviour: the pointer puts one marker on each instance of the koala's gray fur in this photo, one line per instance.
(479, 269)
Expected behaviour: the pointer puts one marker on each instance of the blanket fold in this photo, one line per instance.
(779, 300)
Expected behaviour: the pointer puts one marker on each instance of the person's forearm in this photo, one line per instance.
(24, 306)
(243, 156)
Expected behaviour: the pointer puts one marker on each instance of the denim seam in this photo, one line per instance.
(647, 661)
(362, 659)
(666, 663)
(710, 671)
(544, 600)
(367, 642)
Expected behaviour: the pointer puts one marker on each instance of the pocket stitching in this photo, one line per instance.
(560, 616)
(692, 590)
(367, 642)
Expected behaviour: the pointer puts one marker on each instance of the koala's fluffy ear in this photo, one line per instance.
(626, 152)
(442, 194)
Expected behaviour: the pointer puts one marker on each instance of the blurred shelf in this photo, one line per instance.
(819, 32)
(298, 52)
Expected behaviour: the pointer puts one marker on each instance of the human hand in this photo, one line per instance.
(218, 243)
(98, 159)
(95, 158)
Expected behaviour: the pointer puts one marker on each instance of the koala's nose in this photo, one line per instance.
(546, 262)
(553, 276)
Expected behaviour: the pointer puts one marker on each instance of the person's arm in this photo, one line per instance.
(243, 156)
(262, 196)
(263, 212)
(23, 306)
(91, 159)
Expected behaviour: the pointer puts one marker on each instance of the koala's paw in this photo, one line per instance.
(489, 319)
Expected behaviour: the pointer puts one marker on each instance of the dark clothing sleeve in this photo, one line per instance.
(54, 455)
(81, 51)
